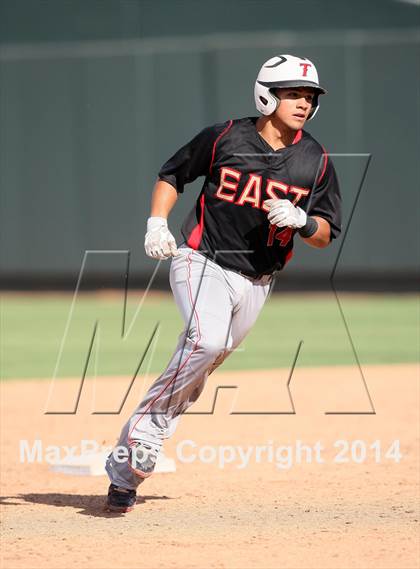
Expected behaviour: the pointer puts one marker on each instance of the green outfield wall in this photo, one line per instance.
(96, 95)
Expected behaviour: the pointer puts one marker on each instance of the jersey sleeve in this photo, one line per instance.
(192, 160)
(326, 198)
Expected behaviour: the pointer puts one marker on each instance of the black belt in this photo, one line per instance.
(267, 277)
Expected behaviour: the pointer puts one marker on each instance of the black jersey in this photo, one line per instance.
(229, 220)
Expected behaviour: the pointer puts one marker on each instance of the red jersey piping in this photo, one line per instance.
(324, 167)
(215, 144)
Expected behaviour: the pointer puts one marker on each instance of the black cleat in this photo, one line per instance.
(120, 499)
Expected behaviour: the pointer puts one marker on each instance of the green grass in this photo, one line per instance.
(384, 329)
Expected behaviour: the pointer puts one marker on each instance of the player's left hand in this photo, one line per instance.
(284, 214)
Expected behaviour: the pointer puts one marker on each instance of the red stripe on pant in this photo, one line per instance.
(188, 258)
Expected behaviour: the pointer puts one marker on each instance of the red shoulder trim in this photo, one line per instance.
(324, 167)
(298, 136)
(215, 143)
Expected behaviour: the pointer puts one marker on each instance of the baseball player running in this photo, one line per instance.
(266, 181)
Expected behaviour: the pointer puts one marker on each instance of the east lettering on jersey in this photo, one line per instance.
(229, 220)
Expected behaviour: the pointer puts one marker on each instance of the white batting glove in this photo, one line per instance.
(284, 214)
(159, 242)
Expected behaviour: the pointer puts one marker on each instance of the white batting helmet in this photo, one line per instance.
(285, 71)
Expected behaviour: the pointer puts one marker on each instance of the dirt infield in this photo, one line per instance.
(301, 509)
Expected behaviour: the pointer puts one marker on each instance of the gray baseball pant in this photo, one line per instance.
(219, 307)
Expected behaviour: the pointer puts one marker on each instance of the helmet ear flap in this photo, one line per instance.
(265, 100)
(275, 99)
(271, 102)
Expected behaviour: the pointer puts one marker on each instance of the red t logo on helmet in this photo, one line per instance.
(305, 68)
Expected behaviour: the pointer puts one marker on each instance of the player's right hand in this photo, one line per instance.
(159, 242)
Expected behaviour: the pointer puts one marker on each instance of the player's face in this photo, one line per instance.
(295, 106)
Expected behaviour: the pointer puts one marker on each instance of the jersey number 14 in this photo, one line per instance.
(282, 235)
